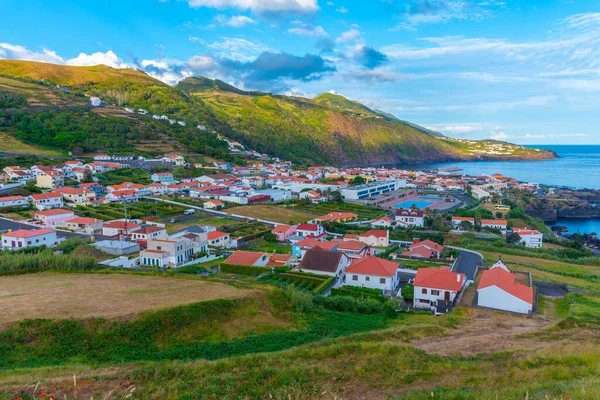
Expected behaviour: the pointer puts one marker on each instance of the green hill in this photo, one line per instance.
(328, 129)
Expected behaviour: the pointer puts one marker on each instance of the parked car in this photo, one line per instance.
(189, 211)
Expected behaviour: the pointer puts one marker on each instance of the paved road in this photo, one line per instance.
(6, 224)
(467, 264)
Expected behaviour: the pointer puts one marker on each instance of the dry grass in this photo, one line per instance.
(486, 332)
(11, 144)
(62, 296)
(40, 96)
(279, 214)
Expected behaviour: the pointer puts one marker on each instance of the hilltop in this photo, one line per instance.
(328, 129)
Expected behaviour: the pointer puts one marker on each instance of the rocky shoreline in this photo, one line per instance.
(566, 203)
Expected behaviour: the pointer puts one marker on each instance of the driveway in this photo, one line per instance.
(467, 264)
(6, 224)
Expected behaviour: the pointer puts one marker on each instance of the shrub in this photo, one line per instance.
(243, 269)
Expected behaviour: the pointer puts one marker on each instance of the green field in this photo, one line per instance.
(363, 212)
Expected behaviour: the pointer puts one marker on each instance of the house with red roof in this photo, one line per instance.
(353, 249)
(218, 239)
(437, 288)
(498, 289)
(411, 217)
(375, 238)
(372, 272)
(44, 201)
(24, 238)
(337, 216)
(424, 249)
(300, 247)
(309, 230)
(494, 224)
(163, 177)
(458, 221)
(214, 205)
(248, 258)
(530, 237)
(119, 227)
(54, 217)
(13, 201)
(283, 232)
(383, 222)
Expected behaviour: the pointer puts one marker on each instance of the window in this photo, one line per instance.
(354, 277)
(424, 301)
(381, 280)
(424, 291)
(435, 292)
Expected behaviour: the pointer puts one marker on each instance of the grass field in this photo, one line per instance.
(11, 144)
(363, 212)
(99, 295)
(283, 215)
(216, 222)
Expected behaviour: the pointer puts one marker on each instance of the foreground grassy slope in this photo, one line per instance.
(329, 129)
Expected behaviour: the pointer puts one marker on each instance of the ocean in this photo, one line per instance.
(578, 167)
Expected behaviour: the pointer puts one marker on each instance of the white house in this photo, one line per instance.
(372, 272)
(44, 201)
(218, 239)
(494, 224)
(383, 222)
(53, 217)
(305, 230)
(29, 238)
(375, 238)
(436, 289)
(530, 238)
(13, 201)
(457, 221)
(412, 217)
(498, 289)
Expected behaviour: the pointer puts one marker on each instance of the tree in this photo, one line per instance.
(88, 177)
(270, 237)
(513, 238)
(336, 196)
(358, 180)
(408, 292)
(498, 214)
(469, 190)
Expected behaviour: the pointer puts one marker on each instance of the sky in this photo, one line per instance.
(524, 71)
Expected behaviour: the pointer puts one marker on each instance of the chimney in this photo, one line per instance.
(457, 278)
(416, 240)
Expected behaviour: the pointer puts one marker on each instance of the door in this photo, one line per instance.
(447, 296)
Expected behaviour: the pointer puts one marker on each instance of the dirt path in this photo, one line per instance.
(486, 332)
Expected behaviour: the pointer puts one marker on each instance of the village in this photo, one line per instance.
(381, 203)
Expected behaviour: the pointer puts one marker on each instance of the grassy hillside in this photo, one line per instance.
(331, 129)
(328, 129)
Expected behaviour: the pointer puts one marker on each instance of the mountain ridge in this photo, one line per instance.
(328, 129)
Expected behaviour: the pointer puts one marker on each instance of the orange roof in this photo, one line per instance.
(23, 233)
(376, 233)
(506, 281)
(336, 215)
(463, 219)
(278, 260)
(427, 243)
(308, 227)
(215, 235)
(373, 266)
(12, 198)
(49, 195)
(83, 220)
(493, 221)
(121, 225)
(240, 257)
(526, 232)
(439, 278)
(281, 228)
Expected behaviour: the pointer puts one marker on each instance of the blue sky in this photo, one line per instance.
(526, 71)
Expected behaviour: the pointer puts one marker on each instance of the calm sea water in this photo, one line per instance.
(578, 167)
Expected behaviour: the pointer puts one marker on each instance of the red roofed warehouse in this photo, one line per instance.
(436, 289)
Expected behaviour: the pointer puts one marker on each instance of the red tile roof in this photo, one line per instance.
(439, 278)
(506, 281)
(240, 257)
(373, 266)
(352, 245)
(83, 221)
(12, 198)
(281, 228)
(376, 233)
(55, 211)
(493, 221)
(215, 235)
(23, 233)
(308, 227)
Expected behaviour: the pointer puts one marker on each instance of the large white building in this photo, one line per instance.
(367, 190)
(530, 238)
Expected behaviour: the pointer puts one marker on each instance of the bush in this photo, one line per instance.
(243, 269)
(323, 286)
(301, 301)
(44, 260)
(359, 293)
(351, 304)
(408, 292)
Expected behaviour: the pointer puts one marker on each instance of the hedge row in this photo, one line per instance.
(359, 293)
(243, 269)
(323, 286)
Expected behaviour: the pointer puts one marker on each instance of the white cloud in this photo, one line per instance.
(530, 136)
(109, 58)
(498, 134)
(304, 29)
(349, 36)
(238, 21)
(455, 129)
(584, 85)
(238, 49)
(261, 6)
(14, 52)
(342, 10)
(372, 76)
